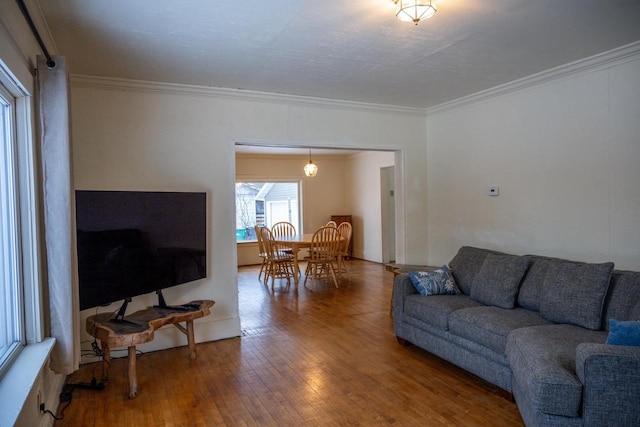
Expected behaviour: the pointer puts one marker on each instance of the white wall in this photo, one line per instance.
(364, 202)
(322, 195)
(147, 136)
(566, 155)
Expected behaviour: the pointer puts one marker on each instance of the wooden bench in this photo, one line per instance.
(139, 328)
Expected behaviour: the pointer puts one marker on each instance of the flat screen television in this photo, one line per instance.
(131, 243)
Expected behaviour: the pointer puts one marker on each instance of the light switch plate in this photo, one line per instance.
(493, 190)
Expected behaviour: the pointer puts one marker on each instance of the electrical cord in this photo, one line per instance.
(61, 417)
(66, 395)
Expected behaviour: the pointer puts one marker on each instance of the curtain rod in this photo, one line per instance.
(23, 8)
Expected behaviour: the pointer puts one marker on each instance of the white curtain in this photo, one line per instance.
(59, 210)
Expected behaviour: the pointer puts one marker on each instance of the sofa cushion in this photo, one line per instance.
(498, 280)
(623, 297)
(624, 332)
(543, 360)
(574, 293)
(435, 309)
(434, 282)
(466, 264)
(490, 326)
(530, 292)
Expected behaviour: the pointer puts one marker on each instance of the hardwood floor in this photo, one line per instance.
(327, 357)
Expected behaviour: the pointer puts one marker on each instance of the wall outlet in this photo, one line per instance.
(493, 190)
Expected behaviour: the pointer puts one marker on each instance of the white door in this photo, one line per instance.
(277, 211)
(388, 214)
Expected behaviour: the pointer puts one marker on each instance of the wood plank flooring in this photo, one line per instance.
(322, 358)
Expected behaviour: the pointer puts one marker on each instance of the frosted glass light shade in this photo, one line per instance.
(415, 10)
(310, 169)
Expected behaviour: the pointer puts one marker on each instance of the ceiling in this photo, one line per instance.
(348, 50)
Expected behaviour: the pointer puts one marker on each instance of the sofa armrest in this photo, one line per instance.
(402, 287)
(610, 376)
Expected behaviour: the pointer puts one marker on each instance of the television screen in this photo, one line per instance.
(135, 242)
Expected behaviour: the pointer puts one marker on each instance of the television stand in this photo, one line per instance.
(139, 327)
(184, 307)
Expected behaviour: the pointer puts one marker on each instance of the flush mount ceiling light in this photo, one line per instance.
(415, 10)
(310, 169)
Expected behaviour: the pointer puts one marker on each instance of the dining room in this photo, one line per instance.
(348, 182)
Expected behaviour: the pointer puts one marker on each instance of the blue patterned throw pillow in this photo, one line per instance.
(436, 282)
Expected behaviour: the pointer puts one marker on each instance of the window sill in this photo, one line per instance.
(19, 380)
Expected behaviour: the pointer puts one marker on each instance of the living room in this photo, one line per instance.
(560, 143)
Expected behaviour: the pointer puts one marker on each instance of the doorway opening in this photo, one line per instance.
(348, 182)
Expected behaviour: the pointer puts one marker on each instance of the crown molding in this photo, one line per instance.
(593, 63)
(118, 84)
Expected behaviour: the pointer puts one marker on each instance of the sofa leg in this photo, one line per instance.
(505, 394)
(403, 342)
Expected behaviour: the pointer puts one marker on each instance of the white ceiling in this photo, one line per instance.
(352, 50)
(349, 50)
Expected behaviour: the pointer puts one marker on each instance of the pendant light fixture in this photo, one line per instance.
(310, 169)
(415, 10)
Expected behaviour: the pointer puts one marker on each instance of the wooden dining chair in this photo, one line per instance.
(331, 224)
(283, 229)
(344, 229)
(279, 262)
(323, 253)
(262, 253)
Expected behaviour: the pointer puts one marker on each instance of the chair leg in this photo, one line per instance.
(333, 273)
(343, 265)
(288, 270)
(268, 271)
(306, 274)
(267, 266)
(314, 272)
(281, 271)
(274, 271)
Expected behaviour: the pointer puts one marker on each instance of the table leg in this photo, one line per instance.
(106, 356)
(296, 267)
(191, 340)
(133, 379)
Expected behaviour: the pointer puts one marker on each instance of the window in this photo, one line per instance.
(21, 319)
(11, 325)
(265, 203)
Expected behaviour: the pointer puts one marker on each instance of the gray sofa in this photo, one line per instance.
(537, 328)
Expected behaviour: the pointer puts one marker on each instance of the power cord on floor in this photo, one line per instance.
(66, 395)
